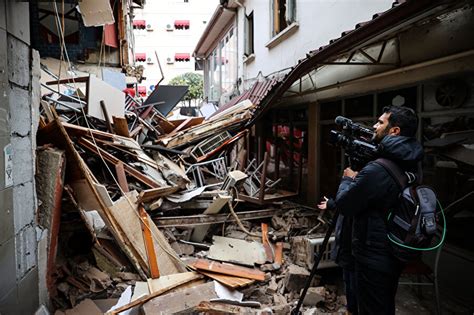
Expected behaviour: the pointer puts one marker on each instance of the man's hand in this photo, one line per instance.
(324, 204)
(350, 173)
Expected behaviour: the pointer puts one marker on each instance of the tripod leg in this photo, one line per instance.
(317, 259)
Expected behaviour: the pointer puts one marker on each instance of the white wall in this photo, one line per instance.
(319, 21)
(159, 13)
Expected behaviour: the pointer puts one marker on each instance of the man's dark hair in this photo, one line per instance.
(403, 117)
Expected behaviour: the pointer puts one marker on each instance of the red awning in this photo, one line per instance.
(142, 90)
(140, 56)
(139, 24)
(181, 24)
(182, 57)
(130, 91)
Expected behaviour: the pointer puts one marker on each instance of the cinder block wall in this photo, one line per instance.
(19, 100)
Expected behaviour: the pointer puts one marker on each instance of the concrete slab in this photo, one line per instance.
(6, 213)
(24, 205)
(20, 111)
(18, 20)
(18, 61)
(7, 266)
(25, 251)
(237, 251)
(23, 160)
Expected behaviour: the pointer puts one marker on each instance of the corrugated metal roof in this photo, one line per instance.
(255, 94)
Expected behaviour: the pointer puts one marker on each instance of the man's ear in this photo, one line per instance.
(394, 131)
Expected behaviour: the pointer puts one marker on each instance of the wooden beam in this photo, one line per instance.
(121, 177)
(148, 240)
(228, 269)
(106, 116)
(121, 126)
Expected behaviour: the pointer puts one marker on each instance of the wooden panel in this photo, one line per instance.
(155, 193)
(230, 281)
(155, 285)
(126, 215)
(229, 269)
(121, 126)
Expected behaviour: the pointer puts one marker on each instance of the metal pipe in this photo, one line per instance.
(63, 104)
(62, 94)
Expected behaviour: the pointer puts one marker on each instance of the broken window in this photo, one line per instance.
(283, 14)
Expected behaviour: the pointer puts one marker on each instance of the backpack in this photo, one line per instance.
(412, 223)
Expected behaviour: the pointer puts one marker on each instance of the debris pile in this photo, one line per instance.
(138, 211)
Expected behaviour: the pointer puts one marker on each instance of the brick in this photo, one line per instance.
(25, 251)
(23, 160)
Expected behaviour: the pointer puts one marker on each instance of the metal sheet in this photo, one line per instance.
(237, 251)
(169, 94)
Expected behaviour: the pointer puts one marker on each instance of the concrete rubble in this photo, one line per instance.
(139, 223)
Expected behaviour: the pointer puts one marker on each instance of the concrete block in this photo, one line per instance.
(23, 160)
(4, 86)
(18, 61)
(295, 278)
(20, 111)
(23, 205)
(7, 267)
(6, 213)
(314, 296)
(18, 20)
(28, 293)
(25, 251)
(35, 93)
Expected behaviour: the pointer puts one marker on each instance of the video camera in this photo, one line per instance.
(356, 141)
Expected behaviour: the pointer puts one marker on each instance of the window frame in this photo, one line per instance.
(249, 47)
(276, 16)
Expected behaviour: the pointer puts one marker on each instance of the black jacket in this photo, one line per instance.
(368, 197)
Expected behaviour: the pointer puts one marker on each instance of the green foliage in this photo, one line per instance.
(195, 83)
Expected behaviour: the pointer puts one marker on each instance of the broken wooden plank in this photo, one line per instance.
(155, 285)
(146, 298)
(121, 177)
(237, 251)
(155, 193)
(279, 253)
(266, 244)
(230, 281)
(96, 12)
(228, 269)
(113, 160)
(202, 219)
(126, 215)
(103, 107)
(121, 126)
(181, 300)
(47, 111)
(149, 244)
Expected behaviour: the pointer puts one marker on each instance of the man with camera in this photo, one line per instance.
(366, 197)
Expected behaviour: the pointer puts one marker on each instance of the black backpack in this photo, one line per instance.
(412, 223)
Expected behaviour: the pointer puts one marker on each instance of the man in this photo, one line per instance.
(367, 197)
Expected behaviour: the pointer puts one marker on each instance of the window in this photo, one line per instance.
(283, 14)
(222, 67)
(249, 34)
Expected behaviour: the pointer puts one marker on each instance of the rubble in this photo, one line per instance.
(145, 200)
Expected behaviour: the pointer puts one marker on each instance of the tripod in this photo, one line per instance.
(317, 259)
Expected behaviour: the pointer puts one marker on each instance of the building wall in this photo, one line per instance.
(19, 88)
(159, 14)
(318, 22)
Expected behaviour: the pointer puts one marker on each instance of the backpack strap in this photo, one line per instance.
(395, 171)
